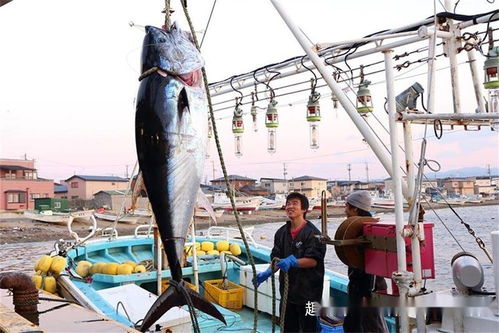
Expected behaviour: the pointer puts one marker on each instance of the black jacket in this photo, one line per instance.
(305, 284)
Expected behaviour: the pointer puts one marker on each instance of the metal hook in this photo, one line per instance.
(238, 91)
(314, 83)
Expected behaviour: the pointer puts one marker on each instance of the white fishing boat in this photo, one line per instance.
(49, 216)
(203, 213)
(129, 218)
(243, 204)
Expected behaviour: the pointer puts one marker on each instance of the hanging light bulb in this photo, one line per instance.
(314, 116)
(364, 100)
(210, 135)
(238, 129)
(271, 122)
(335, 101)
(491, 67)
(253, 112)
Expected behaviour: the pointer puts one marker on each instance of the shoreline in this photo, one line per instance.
(14, 228)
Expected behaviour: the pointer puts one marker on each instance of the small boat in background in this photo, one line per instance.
(243, 204)
(50, 216)
(130, 218)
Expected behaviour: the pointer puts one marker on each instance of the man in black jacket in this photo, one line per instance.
(301, 255)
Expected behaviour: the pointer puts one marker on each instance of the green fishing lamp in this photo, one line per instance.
(271, 122)
(313, 118)
(238, 129)
(490, 67)
(364, 100)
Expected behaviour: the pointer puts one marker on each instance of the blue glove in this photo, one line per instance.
(261, 277)
(286, 263)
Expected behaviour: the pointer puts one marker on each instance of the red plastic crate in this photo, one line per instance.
(383, 262)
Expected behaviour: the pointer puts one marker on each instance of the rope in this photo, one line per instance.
(208, 24)
(224, 170)
(284, 298)
(167, 15)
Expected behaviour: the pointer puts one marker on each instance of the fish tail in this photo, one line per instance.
(177, 295)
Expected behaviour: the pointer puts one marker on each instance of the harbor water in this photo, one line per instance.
(482, 219)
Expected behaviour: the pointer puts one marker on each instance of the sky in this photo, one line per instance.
(69, 69)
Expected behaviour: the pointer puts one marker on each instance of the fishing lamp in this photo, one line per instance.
(491, 66)
(408, 98)
(335, 101)
(253, 111)
(210, 135)
(313, 118)
(364, 100)
(238, 130)
(271, 122)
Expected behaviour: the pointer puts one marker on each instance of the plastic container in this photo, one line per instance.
(230, 298)
(165, 284)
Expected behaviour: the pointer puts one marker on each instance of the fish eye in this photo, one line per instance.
(162, 40)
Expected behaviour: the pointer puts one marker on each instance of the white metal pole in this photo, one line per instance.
(430, 94)
(409, 161)
(159, 264)
(327, 74)
(452, 54)
(397, 186)
(194, 257)
(477, 82)
(495, 256)
(448, 116)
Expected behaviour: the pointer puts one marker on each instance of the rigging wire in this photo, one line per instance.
(207, 24)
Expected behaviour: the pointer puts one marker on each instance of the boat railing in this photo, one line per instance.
(231, 233)
(139, 230)
(109, 231)
(80, 240)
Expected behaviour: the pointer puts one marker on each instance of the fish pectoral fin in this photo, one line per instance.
(174, 297)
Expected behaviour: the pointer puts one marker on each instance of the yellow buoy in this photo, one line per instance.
(58, 265)
(111, 268)
(97, 268)
(83, 270)
(37, 280)
(131, 263)
(49, 284)
(43, 264)
(213, 252)
(235, 249)
(222, 246)
(201, 253)
(124, 269)
(198, 245)
(226, 252)
(207, 246)
(139, 269)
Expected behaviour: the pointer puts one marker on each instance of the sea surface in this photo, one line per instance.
(482, 219)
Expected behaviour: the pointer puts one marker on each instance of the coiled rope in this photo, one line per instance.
(284, 298)
(222, 164)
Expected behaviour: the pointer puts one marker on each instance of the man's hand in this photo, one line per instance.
(261, 277)
(286, 263)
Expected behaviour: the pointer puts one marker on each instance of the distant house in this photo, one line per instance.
(113, 200)
(20, 185)
(60, 191)
(235, 181)
(459, 186)
(85, 186)
(484, 186)
(310, 186)
(274, 185)
(254, 190)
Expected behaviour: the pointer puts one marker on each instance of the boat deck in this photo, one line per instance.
(56, 315)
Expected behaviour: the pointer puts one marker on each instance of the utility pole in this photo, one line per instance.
(367, 174)
(285, 171)
(349, 168)
(488, 171)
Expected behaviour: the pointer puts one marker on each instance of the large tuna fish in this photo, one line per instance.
(171, 134)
